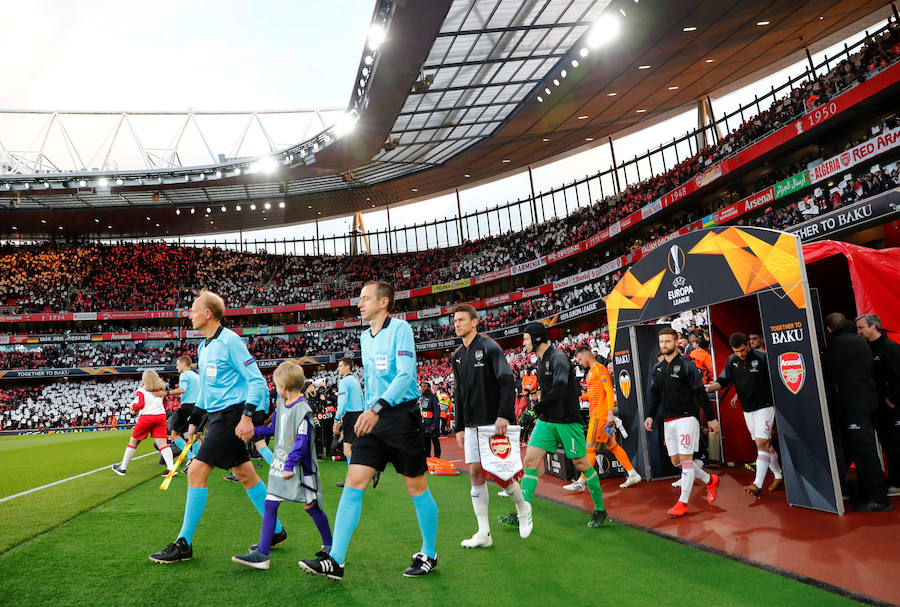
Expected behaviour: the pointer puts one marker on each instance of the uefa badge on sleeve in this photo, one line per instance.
(792, 370)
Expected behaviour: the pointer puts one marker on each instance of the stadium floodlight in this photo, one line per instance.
(267, 206)
(267, 165)
(280, 205)
(178, 211)
(575, 63)
(604, 31)
(368, 60)
(119, 181)
(564, 73)
(192, 211)
(27, 186)
(46, 185)
(252, 207)
(103, 182)
(376, 36)
(218, 174)
(208, 210)
(224, 209)
(81, 183)
(546, 90)
(201, 176)
(555, 82)
(346, 123)
(583, 52)
(237, 171)
(540, 99)
(237, 207)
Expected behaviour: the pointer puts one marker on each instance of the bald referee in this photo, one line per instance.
(485, 395)
(231, 390)
(390, 430)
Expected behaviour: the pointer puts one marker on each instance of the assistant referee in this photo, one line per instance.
(389, 431)
(485, 395)
(232, 389)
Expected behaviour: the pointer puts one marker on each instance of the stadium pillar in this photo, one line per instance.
(533, 199)
(390, 248)
(459, 217)
(612, 152)
(812, 67)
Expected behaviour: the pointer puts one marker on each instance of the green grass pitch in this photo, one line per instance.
(86, 541)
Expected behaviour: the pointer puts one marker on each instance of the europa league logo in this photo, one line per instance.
(676, 259)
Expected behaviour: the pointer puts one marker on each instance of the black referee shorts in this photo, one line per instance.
(220, 447)
(348, 421)
(397, 439)
(180, 420)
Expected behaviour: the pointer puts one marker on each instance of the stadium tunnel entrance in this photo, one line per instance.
(746, 268)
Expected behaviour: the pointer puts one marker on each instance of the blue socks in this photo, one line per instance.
(321, 521)
(193, 510)
(257, 495)
(179, 442)
(345, 522)
(427, 513)
(266, 454)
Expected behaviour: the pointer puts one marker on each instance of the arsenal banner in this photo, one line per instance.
(501, 456)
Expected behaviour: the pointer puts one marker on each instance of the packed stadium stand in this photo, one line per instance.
(84, 310)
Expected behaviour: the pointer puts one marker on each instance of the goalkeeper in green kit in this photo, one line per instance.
(558, 422)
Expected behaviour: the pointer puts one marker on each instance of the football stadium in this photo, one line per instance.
(546, 302)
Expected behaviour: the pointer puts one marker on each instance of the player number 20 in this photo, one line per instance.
(685, 440)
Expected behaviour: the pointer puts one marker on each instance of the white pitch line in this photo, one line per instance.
(65, 480)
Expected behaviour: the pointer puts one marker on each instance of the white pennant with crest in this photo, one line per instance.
(501, 456)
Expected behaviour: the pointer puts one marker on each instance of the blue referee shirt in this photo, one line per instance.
(389, 362)
(229, 374)
(349, 397)
(189, 381)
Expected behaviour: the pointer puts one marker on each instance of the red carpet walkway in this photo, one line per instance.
(858, 552)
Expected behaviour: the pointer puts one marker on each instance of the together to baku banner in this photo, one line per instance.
(711, 266)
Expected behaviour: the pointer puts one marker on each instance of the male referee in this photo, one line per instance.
(350, 405)
(485, 395)
(231, 390)
(189, 389)
(389, 431)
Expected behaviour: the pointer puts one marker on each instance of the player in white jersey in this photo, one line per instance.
(151, 421)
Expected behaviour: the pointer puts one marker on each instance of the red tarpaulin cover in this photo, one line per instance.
(875, 274)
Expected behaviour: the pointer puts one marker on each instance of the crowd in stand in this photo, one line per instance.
(310, 343)
(155, 276)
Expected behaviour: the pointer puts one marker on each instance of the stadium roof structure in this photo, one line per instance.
(450, 92)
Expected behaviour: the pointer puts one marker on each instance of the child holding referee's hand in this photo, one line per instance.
(294, 472)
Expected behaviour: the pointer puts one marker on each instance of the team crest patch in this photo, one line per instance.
(625, 383)
(479, 354)
(500, 446)
(792, 370)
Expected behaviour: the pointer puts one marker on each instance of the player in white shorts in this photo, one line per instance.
(485, 395)
(676, 387)
(748, 370)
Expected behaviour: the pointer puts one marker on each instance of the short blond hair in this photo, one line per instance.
(152, 381)
(290, 376)
(212, 302)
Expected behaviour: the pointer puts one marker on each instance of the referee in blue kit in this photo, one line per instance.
(390, 430)
(232, 389)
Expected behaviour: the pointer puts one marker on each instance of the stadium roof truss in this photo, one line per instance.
(147, 140)
(488, 56)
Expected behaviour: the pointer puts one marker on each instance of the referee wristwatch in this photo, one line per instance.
(379, 406)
